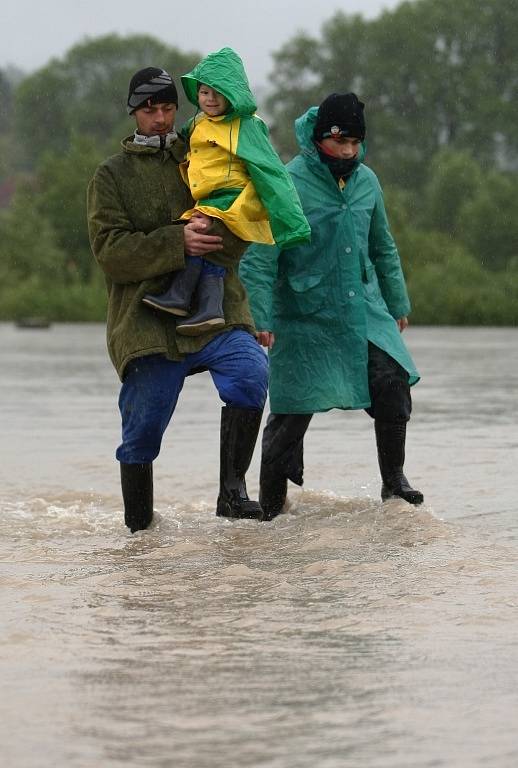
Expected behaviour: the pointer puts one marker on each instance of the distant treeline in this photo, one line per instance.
(440, 83)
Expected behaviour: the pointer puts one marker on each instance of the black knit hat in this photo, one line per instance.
(340, 115)
(151, 86)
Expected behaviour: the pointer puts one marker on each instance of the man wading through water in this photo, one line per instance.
(134, 201)
(332, 312)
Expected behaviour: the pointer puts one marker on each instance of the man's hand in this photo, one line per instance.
(266, 339)
(196, 243)
(402, 323)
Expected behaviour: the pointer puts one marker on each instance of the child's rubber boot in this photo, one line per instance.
(178, 297)
(209, 316)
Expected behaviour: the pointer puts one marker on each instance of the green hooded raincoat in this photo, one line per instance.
(246, 137)
(325, 301)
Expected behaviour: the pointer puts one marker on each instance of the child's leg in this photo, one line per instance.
(178, 298)
(209, 268)
(209, 315)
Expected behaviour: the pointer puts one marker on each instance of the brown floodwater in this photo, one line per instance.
(347, 632)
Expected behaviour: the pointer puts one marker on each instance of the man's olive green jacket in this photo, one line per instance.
(134, 201)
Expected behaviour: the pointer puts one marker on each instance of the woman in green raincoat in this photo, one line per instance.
(332, 311)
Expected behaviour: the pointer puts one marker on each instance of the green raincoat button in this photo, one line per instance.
(351, 294)
(348, 249)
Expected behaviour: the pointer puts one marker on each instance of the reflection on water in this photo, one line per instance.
(346, 632)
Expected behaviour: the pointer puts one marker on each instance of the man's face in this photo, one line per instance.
(155, 120)
(342, 147)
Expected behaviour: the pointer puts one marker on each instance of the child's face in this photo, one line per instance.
(212, 102)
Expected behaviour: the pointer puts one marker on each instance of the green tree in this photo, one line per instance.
(31, 262)
(33, 269)
(62, 181)
(458, 291)
(455, 179)
(433, 74)
(85, 92)
(488, 224)
(6, 99)
(29, 250)
(306, 69)
(447, 283)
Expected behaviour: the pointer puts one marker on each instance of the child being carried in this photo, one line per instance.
(235, 175)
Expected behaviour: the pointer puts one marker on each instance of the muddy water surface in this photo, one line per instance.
(345, 633)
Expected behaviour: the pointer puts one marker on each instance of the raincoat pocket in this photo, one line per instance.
(304, 294)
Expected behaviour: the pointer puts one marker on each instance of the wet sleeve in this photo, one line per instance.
(125, 254)
(385, 257)
(273, 184)
(258, 273)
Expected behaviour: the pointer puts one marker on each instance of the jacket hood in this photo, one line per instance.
(223, 71)
(304, 126)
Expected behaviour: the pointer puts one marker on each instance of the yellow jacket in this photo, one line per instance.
(212, 167)
(234, 173)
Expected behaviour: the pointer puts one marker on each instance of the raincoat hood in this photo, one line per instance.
(223, 71)
(304, 126)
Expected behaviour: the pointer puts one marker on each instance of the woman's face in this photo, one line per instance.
(342, 147)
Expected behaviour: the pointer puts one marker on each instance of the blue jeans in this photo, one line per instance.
(207, 267)
(152, 384)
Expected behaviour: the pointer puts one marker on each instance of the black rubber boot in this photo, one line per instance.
(137, 493)
(390, 439)
(282, 459)
(209, 316)
(273, 489)
(239, 430)
(178, 297)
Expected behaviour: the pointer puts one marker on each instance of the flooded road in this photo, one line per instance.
(345, 633)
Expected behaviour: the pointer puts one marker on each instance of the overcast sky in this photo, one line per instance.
(34, 31)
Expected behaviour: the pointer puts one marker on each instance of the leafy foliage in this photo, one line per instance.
(63, 179)
(440, 82)
(61, 122)
(433, 74)
(85, 93)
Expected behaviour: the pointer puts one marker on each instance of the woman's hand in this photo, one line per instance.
(266, 339)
